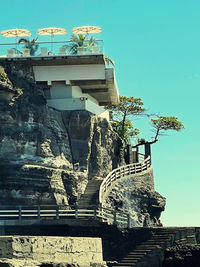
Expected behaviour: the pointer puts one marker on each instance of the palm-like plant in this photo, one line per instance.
(79, 40)
(109, 61)
(32, 45)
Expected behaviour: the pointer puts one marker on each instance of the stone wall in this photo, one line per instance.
(70, 250)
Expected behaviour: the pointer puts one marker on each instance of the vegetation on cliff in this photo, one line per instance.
(123, 116)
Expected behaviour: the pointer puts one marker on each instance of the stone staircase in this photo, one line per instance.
(148, 253)
(90, 196)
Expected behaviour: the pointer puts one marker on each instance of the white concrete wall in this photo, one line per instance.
(77, 92)
(69, 72)
(66, 103)
(59, 89)
(77, 104)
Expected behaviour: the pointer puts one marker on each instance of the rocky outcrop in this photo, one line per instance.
(47, 156)
(135, 194)
(182, 256)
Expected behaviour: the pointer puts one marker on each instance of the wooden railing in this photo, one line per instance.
(20, 213)
(121, 172)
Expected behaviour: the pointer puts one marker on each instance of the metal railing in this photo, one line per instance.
(45, 49)
(121, 172)
(20, 213)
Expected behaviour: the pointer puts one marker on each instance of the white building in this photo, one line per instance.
(78, 82)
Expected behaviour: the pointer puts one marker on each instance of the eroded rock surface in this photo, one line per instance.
(136, 195)
(47, 156)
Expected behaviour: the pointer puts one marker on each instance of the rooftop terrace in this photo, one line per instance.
(49, 49)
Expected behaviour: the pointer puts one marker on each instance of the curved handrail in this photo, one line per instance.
(123, 171)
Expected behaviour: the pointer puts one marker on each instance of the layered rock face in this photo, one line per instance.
(47, 156)
(136, 195)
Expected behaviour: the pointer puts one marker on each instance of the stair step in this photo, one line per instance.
(137, 254)
(129, 260)
(154, 243)
(142, 250)
(124, 265)
(147, 246)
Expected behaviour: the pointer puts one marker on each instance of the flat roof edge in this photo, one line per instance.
(57, 60)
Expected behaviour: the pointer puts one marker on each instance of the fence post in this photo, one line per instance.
(57, 212)
(95, 212)
(114, 217)
(38, 212)
(20, 213)
(128, 221)
(76, 212)
(100, 212)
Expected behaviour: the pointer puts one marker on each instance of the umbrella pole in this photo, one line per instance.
(16, 46)
(52, 43)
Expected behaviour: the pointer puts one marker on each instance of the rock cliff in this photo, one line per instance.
(48, 156)
(136, 195)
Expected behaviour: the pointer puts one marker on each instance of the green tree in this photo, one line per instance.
(121, 114)
(127, 132)
(32, 45)
(160, 125)
(165, 123)
(128, 108)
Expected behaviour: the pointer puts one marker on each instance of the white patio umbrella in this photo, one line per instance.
(52, 31)
(86, 29)
(15, 33)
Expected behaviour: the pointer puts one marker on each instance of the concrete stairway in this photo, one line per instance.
(90, 196)
(147, 253)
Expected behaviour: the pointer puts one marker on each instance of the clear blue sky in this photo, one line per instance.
(156, 47)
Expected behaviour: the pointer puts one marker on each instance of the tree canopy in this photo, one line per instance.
(123, 117)
(127, 108)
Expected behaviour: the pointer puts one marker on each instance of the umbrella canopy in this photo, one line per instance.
(15, 33)
(52, 31)
(86, 29)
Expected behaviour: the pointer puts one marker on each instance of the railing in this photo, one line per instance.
(20, 213)
(119, 218)
(45, 49)
(120, 172)
(141, 157)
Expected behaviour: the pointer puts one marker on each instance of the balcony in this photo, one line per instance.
(50, 49)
